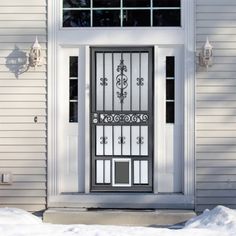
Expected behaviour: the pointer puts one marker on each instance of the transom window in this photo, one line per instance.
(121, 13)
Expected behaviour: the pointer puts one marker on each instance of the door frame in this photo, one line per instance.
(72, 38)
(150, 123)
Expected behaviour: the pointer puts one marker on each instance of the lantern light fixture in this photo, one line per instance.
(206, 55)
(35, 55)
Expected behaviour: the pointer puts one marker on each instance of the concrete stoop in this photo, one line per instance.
(155, 218)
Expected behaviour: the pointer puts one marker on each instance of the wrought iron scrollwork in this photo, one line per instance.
(121, 140)
(140, 81)
(103, 140)
(103, 81)
(123, 118)
(140, 140)
(121, 81)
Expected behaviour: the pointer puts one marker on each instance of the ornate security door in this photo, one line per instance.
(121, 119)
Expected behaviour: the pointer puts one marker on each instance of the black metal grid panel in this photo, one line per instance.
(121, 117)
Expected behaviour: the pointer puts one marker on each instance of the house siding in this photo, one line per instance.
(216, 106)
(22, 97)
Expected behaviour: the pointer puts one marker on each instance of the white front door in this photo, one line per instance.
(161, 166)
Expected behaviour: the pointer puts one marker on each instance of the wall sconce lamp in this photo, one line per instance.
(35, 55)
(206, 55)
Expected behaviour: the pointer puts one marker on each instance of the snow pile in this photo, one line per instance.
(17, 216)
(219, 218)
(220, 221)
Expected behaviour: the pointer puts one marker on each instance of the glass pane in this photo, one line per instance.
(106, 3)
(73, 111)
(166, 18)
(104, 18)
(76, 3)
(136, 3)
(136, 172)
(166, 3)
(144, 172)
(100, 140)
(121, 172)
(136, 18)
(76, 18)
(170, 112)
(73, 89)
(170, 89)
(73, 66)
(170, 66)
(99, 172)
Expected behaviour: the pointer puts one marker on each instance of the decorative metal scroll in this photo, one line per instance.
(140, 140)
(123, 118)
(121, 81)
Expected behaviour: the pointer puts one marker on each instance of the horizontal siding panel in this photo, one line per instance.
(29, 178)
(23, 112)
(22, 83)
(215, 89)
(22, 163)
(8, 54)
(216, 156)
(216, 163)
(216, 112)
(32, 148)
(216, 75)
(32, 17)
(22, 97)
(21, 46)
(26, 207)
(22, 24)
(219, 46)
(213, 119)
(216, 2)
(29, 75)
(215, 8)
(216, 200)
(216, 186)
(23, 156)
(22, 39)
(22, 127)
(23, 90)
(216, 178)
(216, 30)
(218, 193)
(21, 193)
(216, 170)
(22, 141)
(202, 207)
(213, 97)
(20, 104)
(222, 68)
(215, 16)
(25, 172)
(22, 134)
(11, 68)
(216, 126)
(211, 104)
(219, 23)
(213, 141)
(19, 32)
(21, 119)
(24, 186)
(22, 200)
(216, 148)
(216, 133)
(22, 9)
(24, 3)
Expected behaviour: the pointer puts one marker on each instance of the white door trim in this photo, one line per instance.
(58, 37)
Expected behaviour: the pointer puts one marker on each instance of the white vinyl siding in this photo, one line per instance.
(22, 141)
(216, 106)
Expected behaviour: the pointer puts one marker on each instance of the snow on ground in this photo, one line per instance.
(220, 221)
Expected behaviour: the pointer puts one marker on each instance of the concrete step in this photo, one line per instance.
(155, 218)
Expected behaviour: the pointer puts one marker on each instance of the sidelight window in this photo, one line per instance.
(121, 13)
